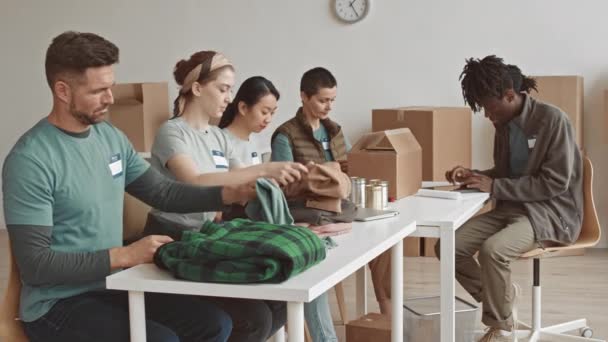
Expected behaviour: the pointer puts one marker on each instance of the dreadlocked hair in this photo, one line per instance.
(491, 77)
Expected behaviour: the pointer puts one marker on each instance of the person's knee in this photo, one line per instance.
(156, 332)
(224, 326)
(489, 252)
(256, 322)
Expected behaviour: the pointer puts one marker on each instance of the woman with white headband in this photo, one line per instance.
(189, 149)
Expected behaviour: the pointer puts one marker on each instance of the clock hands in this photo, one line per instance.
(353, 7)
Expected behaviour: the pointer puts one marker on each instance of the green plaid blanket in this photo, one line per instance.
(241, 251)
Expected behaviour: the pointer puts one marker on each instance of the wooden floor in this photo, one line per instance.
(573, 287)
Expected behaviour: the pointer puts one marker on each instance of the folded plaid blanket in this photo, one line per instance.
(241, 251)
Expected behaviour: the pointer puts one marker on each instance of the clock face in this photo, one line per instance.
(351, 10)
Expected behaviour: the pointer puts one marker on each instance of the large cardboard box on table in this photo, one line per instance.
(444, 133)
(139, 110)
(565, 92)
(371, 327)
(394, 156)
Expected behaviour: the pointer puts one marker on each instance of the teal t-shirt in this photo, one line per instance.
(518, 150)
(74, 185)
(281, 147)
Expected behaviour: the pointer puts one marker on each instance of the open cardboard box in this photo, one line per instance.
(394, 156)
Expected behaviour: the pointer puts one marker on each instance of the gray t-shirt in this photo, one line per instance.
(245, 150)
(209, 149)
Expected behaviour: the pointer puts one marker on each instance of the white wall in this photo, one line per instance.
(404, 53)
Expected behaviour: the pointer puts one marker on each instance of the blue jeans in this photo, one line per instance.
(104, 316)
(318, 318)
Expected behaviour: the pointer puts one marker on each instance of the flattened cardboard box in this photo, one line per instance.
(444, 133)
(566, 93)
(393, 155)
(139, 110)
(372, 327)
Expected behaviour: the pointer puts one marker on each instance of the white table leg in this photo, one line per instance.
(137, 316)
(295, 320)
(361, 291)
(397, 292)
(447, 236)
(279, 336)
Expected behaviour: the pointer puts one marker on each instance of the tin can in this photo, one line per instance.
(357, 194)
(374, 181)
(373, 196)
(353, 189)
(384, 185)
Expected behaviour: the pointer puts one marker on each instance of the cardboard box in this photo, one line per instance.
(444, 133)
(394, 156)
(139, 109)
(412, 246)
(606, 116)
(565, 92)
(371, 327)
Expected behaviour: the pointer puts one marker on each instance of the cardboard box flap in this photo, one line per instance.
(402, 140)
(398, 140)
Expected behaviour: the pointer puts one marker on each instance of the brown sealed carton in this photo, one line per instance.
(371, 327)
(412, 246)
(139, 110)
(393, 155)
(606, 116)
(444, 133)
(565, 92)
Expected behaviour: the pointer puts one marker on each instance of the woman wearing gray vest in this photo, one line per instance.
(189, 149)
(250, 112)
(311, 135)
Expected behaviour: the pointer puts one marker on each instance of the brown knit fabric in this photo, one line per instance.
(323, 187)
(304, 146)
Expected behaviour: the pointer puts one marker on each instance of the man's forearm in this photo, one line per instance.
(168, 195)
(40, 265)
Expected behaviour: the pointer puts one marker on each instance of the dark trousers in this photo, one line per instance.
(104, 316)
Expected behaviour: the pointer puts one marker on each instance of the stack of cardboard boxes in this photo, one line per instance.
(139, 110)
(444, 134)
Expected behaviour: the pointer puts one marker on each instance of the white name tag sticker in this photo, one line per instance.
(325, 145)
(531, 142)
(115, 165)
(255, 158)
(219, 160)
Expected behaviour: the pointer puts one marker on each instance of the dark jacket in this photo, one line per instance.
(551, 188)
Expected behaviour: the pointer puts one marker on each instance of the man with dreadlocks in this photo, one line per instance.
(536, 182)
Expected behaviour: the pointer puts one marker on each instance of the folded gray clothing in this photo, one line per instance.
(318, 217)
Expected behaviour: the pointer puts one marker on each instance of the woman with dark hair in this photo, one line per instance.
(536, 182)
(250, 112)
(189, 149)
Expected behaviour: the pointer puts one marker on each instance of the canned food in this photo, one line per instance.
(384, 185)
(373, 196)
(357, 194)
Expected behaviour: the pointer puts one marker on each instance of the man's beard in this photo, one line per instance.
(82, 117)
